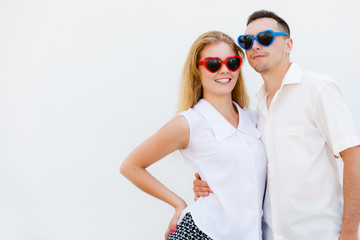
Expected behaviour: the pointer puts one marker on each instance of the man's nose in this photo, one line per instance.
(256, 45)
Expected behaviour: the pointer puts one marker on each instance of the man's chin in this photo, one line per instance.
(260, 66)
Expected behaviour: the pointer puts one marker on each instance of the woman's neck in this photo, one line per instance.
(225, 107)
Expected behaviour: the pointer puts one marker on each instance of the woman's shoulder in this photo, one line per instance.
(195, 119)
(192, 114)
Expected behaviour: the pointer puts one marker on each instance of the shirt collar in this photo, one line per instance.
(292, 76)
(221, 127)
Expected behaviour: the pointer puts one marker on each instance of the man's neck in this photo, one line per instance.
(273, 80)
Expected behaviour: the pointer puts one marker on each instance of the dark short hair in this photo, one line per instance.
(269, 14)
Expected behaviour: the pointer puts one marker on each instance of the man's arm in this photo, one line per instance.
(201, 188)
(351, 185)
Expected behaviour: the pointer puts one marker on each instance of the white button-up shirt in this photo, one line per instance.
(306, 124)
(233, 162)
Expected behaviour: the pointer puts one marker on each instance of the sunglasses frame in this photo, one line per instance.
(203, 62)
(274, 34)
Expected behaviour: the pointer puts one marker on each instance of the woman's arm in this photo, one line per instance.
(172, 136)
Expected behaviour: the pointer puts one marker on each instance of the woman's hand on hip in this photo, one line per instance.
(175, 219)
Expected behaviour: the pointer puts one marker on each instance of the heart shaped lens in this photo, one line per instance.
(233, 63)
(245, 42)
(213, 64)
(265, 38)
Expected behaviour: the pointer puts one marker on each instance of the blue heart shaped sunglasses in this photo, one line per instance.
(265, 38)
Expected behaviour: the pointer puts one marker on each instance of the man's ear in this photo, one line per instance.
(289, 44)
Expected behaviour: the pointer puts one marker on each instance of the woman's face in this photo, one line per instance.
(222, 82)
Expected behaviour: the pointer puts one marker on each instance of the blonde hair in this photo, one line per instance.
(191, 89)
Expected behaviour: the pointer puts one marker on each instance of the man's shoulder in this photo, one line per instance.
(314, 84)
(317, 78)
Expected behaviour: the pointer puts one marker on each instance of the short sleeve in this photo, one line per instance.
(334, 119)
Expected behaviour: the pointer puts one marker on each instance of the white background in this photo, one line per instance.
(82, 83)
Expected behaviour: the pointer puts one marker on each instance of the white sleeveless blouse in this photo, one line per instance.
(233, 162)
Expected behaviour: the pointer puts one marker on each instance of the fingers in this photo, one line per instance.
(173, 224)
(202, 194)
(200, 183)
(171, 229)
(201, 188)
(197, 176)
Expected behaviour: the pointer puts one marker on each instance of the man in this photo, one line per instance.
(305, 126)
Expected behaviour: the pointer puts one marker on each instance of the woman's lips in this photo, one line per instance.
(223, 81)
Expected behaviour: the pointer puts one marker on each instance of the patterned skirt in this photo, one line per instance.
(187, 230)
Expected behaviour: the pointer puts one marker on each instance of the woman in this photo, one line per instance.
(218, 136)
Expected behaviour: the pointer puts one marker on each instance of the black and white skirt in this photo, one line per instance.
(187, 230)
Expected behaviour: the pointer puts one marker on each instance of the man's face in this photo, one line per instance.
(265, 59)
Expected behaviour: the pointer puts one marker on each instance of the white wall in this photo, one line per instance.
(84, 82)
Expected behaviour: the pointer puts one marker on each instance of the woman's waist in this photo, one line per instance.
(227, 209)
(222, 221)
